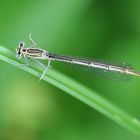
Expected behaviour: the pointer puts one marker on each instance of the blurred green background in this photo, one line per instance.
(108, 30)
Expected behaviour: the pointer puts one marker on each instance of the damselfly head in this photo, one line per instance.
(19, 49)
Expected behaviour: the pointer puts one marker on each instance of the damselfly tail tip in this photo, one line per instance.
(137, 73)
(131, 72)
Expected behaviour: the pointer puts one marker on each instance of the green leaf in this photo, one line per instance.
(79, 91)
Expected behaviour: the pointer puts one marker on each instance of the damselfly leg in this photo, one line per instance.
(26, 60)
(42, 65)
(33, 42)
(49, 61)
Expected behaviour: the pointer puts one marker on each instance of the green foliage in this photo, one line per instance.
(106, 30)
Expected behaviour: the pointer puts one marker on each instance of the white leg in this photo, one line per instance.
(38, 62)
(49, 61)
(26, 62)
(44, 66)
(33, 42)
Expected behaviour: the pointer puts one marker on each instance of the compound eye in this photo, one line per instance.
(21, 44)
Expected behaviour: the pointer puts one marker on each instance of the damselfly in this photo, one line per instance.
(37, 53)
